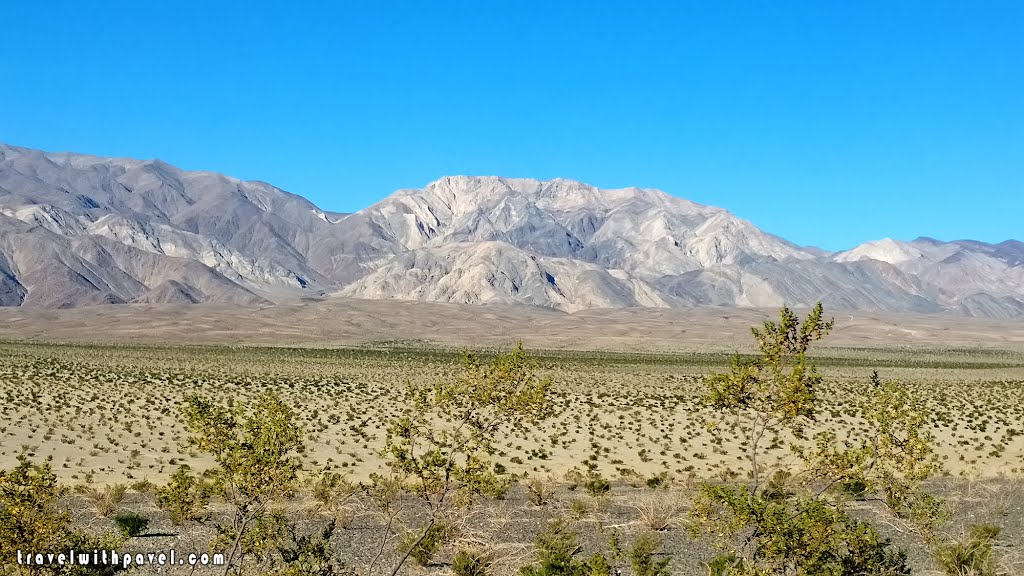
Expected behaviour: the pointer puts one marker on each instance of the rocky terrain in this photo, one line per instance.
(78, 230)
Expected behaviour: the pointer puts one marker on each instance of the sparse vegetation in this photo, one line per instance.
(619, 444)
(798, 527)
(256, 465)
(184, 496)
(131, 524)
(440, 449)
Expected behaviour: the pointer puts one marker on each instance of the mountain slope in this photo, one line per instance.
(497, 272)
(78, 230)
(249, 236)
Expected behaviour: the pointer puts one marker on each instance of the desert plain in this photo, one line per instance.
(96, 392)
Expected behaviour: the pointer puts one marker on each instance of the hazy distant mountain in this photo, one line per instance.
(78, 230)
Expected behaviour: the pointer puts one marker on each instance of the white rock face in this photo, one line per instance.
(649, 231)
(78, 229)
(885, 250)
(962, 275)
(497, 272)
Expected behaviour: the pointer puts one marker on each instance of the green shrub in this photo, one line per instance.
(184, 497)
(470, 563)
(131, 524)
(658, 480)
(725, 565)
(786, 528)
(30, 519)
(558, 554)
(29, 516)
(309, 555)
(597, 485)
(144, 486)
(641, 557)
(855, 488)
(440, 447)
(426, 545)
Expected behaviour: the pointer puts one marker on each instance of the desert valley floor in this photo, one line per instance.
(95, 391)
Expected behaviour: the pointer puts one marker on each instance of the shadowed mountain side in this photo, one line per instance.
(58, 271)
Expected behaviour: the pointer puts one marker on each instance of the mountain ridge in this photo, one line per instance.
(78, 230)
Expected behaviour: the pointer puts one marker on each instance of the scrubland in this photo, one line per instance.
(619, 454)
(110, 413)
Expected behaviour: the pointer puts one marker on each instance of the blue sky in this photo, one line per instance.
(828, 123)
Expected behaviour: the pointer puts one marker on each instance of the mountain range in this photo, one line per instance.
(78, 230)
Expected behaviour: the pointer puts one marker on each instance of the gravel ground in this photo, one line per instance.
(507, 528)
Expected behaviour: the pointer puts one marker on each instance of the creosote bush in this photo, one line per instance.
(257, 465)
(440, 449)
(184, 497)
(310, 554)
(782, 523)
(32, 520)
(425, 546)
(559, 554)
(131, 524)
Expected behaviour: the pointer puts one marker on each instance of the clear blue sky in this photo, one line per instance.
(829, 123)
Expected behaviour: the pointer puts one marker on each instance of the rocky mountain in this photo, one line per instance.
(77, 230)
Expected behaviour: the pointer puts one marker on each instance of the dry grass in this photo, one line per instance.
(662, 510)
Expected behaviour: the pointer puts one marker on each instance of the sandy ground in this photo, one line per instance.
(111, 413)
(341, 321)
(96, 392)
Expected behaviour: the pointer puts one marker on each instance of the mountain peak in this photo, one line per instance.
(884, 250)
(78, 229)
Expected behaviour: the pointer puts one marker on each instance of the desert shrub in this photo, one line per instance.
(309, 554)
(658, 480)
(854, 488)
(470, 563)
(31, 519)
(29, 515)
(425, 546)
(332, 493)
(80, 540)
(641, 557)
(972, 555)
(803, 531)
(330, 486)
(658, 512)
(574, 478)
(559, 554)
(106, 500)
(131, 524)
(184, 497)
(578, 508)
(725, 565)
(439, 450)
(259, 541)
(597, 485)
(540, 491)
(257, 463)
(144, 486)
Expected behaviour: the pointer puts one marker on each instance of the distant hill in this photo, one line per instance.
(78, 230)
